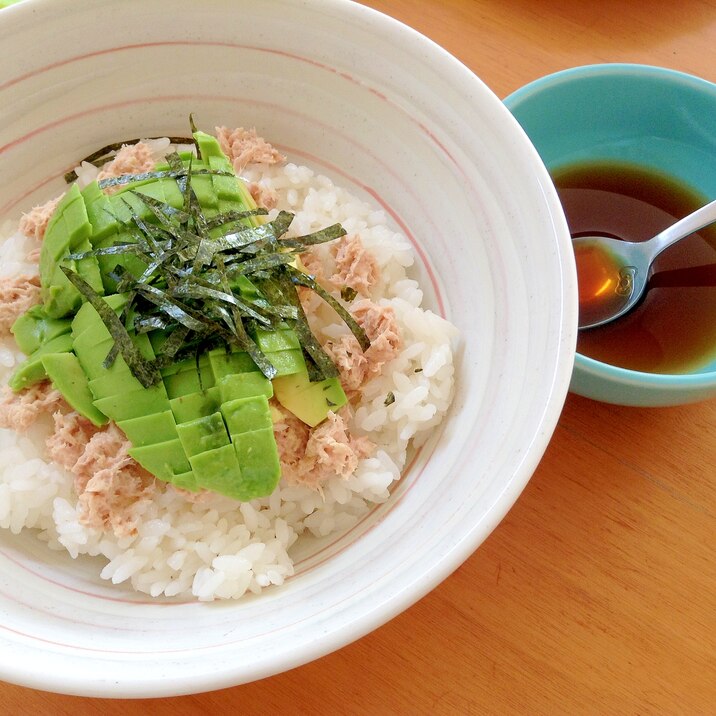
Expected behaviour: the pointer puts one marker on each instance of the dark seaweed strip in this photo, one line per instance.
(198, 291)
(161, 174)
(248, 236)
(124, 278)
(162, 210)
(260, 264)
(145, 372)
(193, 128)
(330, 233)
(114, 250)
(149, 233)
(285, 311)
(231, 217)
(303, 279)
(111, 356)
(281, 224)
(175, 341)
(308, 341)
(175, 164)
(263, 363)
(144, 324)
(348, 294)
(179, 313)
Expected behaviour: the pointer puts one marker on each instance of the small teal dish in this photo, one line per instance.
(658, 118)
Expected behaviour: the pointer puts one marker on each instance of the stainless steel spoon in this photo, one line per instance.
(612, 274)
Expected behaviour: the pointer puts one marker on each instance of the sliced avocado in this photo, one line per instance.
(57, 241)
(203, 434)
(280, 339)
(114, 383)
(77, 222)
(260, 468)
(244, 415)
(68, 228)
(87, 315)
(99, 213)
(195, 405)
(150, 429)
(209, 147)
(309, 402)
(32, 370)
(35, 327)
(244, 385)
(182, 383)
(163, 460)
(66, 374)
(60, 296)
(133, 405)
(128, 203)
(218, 470)
(187, 481)
(91, 349)
(187, 364)
(88, 268)
(223, 363)
(287, 362)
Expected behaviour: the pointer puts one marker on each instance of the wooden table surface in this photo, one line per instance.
(597, 593)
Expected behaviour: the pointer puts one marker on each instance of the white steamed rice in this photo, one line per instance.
(220, 548)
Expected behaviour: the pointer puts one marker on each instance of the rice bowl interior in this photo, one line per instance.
(453, 174)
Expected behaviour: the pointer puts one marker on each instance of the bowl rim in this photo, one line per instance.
(591, 366)
(460, 76)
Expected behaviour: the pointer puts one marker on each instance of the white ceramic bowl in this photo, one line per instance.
(395, 118)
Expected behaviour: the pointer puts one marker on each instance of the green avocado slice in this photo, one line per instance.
(35, 327)
(32, 370)
(66, 374)
(310, 402)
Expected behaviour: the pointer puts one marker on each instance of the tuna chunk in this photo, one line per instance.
(70, 438)
(17, 294)
(112, 487)
(348, 357)
(291, 436)
(264, 196)
(312, 456)
(332, 451)
(381, 327)
(355, 265)
(34, 223)
(130, 159)
(244, 146)
(18, 411)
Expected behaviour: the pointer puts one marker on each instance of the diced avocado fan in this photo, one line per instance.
(170, 307)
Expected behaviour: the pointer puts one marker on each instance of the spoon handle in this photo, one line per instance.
(688, 225)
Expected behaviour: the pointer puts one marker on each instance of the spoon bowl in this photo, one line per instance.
(612, 275)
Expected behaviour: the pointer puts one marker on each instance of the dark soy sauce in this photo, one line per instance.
(673, 329)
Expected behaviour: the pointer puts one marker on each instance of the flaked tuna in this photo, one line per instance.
(34, 223)
(18, 411)
(17, 295)
(244, 146)
(355, 266)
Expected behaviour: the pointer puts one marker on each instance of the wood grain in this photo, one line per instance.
(597, 593)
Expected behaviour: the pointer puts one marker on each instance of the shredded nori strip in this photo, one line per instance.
(303, 279)
(145, 372)
(389, 399)
(330, 233)
(348, 294)
(208, 281)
